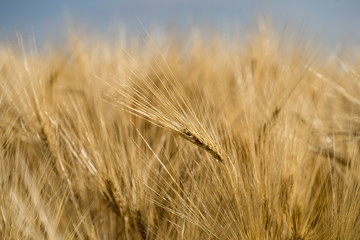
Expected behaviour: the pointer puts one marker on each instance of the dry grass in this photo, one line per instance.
(188, 139)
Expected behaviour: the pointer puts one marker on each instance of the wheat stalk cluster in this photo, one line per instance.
(200, 137)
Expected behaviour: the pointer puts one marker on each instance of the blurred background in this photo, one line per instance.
(334, 23)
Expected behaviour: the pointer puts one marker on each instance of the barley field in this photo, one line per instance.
(199, 137)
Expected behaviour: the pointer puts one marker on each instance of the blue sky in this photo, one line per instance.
(333, 21)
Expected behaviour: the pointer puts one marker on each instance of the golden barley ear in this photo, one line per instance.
(211, 148)
(162, 101)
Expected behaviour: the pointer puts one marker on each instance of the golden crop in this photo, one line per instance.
(185, 139)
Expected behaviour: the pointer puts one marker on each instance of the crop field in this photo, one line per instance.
(193, 137)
